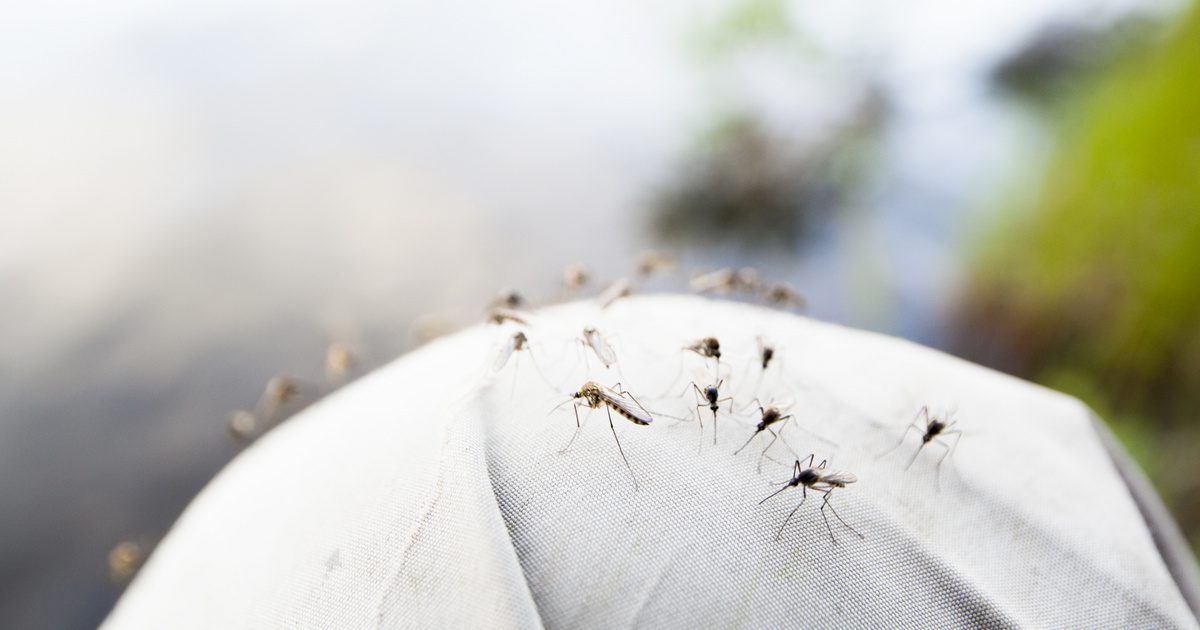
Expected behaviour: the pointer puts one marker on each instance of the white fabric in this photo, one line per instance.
(426, 495)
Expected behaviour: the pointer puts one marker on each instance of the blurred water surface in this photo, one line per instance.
(195, 197)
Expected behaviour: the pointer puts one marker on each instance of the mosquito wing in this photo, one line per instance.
(836, 478)
(600, 346)
(506, 351)
(627, 406)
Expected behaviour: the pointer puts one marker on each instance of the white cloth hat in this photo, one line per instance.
(432, 493)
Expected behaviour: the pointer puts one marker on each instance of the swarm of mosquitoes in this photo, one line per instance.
(771, 419)
(283, 396)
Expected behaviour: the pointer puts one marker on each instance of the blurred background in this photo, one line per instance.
(197, 197)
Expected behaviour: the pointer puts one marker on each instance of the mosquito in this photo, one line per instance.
(339, 361)
(575, 276)
(241, 426)
(594, 396)
(748, 279)
(819, 480)
(280, 392)
(770, 416)
(499, 315)
(599, 345)
(615, 291)
(707, 347)
(727, 280)
(783, 295)
(765, 352)
(721, 281)
(934, 427)
(516, 343)
(508, 298)
(651, 262)
(712, 396)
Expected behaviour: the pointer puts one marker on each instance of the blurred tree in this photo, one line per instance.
(1097, 291)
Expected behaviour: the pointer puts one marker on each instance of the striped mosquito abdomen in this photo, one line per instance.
(628, 416)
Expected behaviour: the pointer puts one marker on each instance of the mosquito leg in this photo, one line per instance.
(674, 379)
(825, 504)
(755, 403)
(619, 372)
(923, 411)
(542, 374)
(783, 438)
(774, 436)
(949, 450)
(937, 470)
(643, 407)
(512, 390)
(578, 427)
(904, 435)
(696, 393)
(914, 457)
(957, 436)
(774, 460)
(792, 513)
(621, 450)
(587, 366)
(752, 436)
(802, 428)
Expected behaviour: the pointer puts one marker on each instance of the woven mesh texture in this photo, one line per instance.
(433, 493)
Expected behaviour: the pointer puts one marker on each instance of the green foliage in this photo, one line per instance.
(1097, 290)
(1110, 259)
(751, 21)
